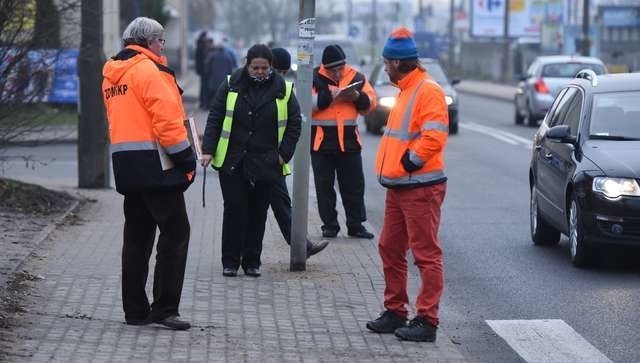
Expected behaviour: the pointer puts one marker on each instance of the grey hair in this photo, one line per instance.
(141, 31)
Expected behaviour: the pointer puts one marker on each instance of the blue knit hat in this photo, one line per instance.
(400, 45)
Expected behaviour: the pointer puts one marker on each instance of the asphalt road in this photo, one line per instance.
(493, 271)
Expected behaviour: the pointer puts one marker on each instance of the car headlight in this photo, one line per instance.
(615, 187)
(448, 100)
(387, 102)
(294, 67)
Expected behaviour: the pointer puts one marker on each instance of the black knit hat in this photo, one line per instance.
(281, 59)
(333, 56)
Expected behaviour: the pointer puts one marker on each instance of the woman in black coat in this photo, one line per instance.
(247, 154)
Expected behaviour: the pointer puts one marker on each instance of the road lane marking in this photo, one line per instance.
(501, 135)
(547, 340)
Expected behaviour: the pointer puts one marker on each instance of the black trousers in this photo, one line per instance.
(144, 212)
(348, 168)
(280, 202)
(244, 218)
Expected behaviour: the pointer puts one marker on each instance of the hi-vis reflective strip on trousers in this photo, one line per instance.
(223, 141)
(403, 135)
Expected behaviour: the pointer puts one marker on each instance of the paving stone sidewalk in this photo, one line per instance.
(75, 313)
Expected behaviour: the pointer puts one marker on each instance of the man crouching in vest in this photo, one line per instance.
(146, 118)
(410, 163)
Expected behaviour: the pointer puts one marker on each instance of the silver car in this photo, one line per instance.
(546, 76)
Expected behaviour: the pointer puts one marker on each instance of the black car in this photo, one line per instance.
(386, 92)
(585, 168)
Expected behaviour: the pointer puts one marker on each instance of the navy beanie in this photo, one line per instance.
(281, 59)
(333, 56)
(400, 45)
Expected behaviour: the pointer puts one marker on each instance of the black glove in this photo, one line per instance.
(407, 164)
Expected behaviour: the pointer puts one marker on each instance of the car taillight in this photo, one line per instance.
(540, 87)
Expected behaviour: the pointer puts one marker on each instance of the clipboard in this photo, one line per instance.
(342, 91)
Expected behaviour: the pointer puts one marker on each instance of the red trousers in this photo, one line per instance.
(411, 221)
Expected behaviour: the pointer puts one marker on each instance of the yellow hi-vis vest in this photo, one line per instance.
(223, 142)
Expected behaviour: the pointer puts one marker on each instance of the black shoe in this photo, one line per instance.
(330, 232)
(387, 323)
(230, 272)
(418, 330)
(146, 321)
(252, 271)
(315, 247)
(362, 233)
(172, 322)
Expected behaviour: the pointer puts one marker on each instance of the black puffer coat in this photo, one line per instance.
(253, 143)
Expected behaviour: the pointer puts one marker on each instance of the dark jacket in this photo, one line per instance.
(330, 139)
(217, 66)
(254, 134)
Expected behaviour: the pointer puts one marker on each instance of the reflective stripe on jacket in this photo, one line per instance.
(338, 120)
(417, 129)
(145, 111)
(227, 123)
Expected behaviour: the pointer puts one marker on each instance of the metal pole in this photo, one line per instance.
(93, 141)
(586, 42)
(505, 51)
(184, 15)
(451, 42)
(374, 29)
(300, 200)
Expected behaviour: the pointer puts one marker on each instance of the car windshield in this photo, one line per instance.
(615, 116)
(436, 72)
(569, 70)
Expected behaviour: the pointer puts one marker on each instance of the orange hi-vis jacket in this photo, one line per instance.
(145, 111)
(340, 117)
(411, 151)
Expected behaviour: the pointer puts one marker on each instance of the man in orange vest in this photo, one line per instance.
(336, 145)
(146, 126)
(410, 163)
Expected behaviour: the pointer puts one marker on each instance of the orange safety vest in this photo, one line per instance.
(145, 111)
(340, 113)
(419, 124)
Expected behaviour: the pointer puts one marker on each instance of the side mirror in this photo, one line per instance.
(561, 133)
(523, 77)
(455, 81)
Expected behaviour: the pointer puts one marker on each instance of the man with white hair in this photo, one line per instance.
(146, 119)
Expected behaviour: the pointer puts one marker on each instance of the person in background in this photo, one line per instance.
(251, 133)
(200, 57)
(145, 113)
(279, 200)
(335, 141)
(410, 164)
(218, 65)
(231, 52)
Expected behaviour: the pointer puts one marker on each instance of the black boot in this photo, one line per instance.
(418, 330)
(316, 247)
(387, 323)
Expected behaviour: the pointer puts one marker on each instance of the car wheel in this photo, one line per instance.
(580, 250)
(519, 119)
(453, 126)
(542, 233)
(531, 120)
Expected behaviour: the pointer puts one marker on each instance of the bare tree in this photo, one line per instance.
(29, 48)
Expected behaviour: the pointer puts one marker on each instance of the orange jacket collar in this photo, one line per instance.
(412, 78)
(156, 58)
(348, 73)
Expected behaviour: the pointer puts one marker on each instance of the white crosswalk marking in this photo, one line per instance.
(548, 340)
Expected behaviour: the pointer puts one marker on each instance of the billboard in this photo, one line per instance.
(525, 17)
